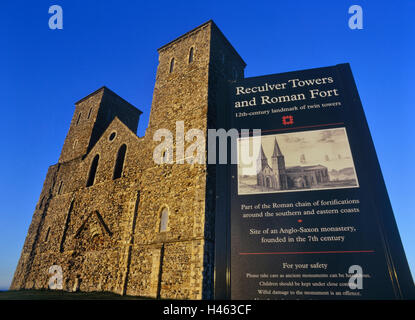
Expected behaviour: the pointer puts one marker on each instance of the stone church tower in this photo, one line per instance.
(112, 218)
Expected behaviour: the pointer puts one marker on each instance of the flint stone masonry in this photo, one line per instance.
(106, 237)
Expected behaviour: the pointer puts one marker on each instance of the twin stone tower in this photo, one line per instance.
(108, 215)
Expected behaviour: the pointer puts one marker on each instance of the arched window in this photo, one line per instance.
(191, 55)
(41, 202)
(119, 162)
(92, 171)
(47, 235)
(112, 136)
(164, 219)
(235, 74)
(171, 65)
(79, 118)
(109, 115)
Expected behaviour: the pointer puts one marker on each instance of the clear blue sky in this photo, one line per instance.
(113, 43)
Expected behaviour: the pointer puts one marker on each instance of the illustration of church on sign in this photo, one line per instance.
(278, 177)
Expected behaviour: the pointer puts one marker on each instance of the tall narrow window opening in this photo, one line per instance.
(60, 187)
(79, 118)
(41, 202)
(164, 219)
(47, 235)
(92, 171)
(171, 65)
(119, 162)
(191, 55)
(235, 74)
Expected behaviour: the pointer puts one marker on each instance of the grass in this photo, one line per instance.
(63, 295)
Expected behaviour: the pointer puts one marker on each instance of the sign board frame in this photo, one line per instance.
(372, 189)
